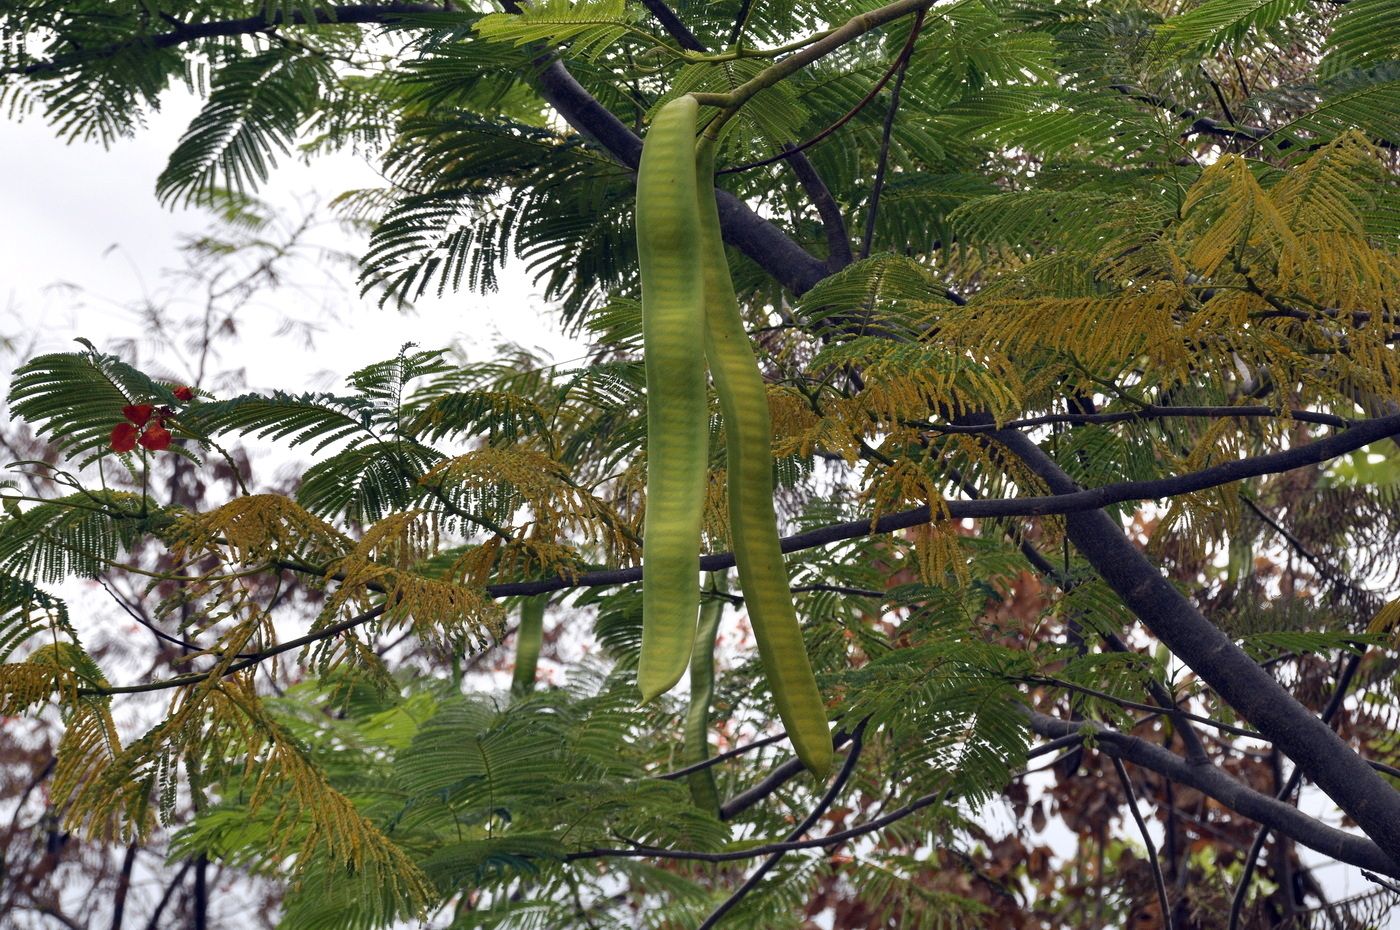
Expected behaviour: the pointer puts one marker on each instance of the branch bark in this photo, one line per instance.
(1068, 500)
(1253, 692)
(228, 28)
(1286, 819)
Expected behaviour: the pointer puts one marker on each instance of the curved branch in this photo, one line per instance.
(1286, 819)
(1253, 692)
(1065, 502)
(1149, 412)
(1347, 847)
(825, 802)
(843, 119)
(381, 13)
(852, 29)
(775, 780)
(248, 661)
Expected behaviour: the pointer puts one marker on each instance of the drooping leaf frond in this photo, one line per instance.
(254, 108)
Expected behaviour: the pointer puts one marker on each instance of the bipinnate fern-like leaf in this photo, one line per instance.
(566, 212)
(588, 27)
(254, 108)
(73, 399)
(1366, 33)
(27, 610)
(368, 481)
(305, 419)
(1214, 23)
(1365, 100)
(76, 535)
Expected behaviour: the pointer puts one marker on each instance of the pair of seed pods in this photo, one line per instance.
(690, 317)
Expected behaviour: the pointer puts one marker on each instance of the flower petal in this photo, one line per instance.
(157, 438)
(138, 413)
(124, 437)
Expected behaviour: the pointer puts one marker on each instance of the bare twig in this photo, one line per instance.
(1146, 841)
(1251, 857)
(882, 163)
(847, 769)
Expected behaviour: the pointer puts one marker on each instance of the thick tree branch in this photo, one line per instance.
(1069, 500)
(381, 13)
(674, 26)
(1286, 819)
(1255, 695)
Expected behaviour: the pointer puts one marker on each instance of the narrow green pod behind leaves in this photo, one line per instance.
(673, 332)
(753, 523)
(528, 639)
(702, 692)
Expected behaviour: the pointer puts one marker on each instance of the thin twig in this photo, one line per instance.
(1296, 776)
(886, 134)
(154, 923)
(1135, 705)
(1147, 841)
(721, 757)
(252, 659)
(1149, 412)
(895, 66)
(1387, 885)
(847, 769)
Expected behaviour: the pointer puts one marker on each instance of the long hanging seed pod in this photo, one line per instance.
(673, 332)
(753, 523)
(702, 693)
(528, 639)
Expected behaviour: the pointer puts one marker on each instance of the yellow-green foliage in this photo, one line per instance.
(380, 567)
(501, 481)
(259, 527)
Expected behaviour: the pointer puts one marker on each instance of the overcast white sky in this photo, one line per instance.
(64, 208)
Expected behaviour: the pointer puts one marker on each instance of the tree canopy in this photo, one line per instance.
(1077, 325)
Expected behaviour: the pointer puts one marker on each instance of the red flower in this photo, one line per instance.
(124, 437)
(138, 413)
(184, 393)
(157, 438)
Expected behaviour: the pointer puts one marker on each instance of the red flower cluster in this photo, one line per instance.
(145, 425)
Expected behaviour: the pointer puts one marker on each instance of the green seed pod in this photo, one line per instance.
(528, 639)
(753, 523)
(673, 332)
(702, 692)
